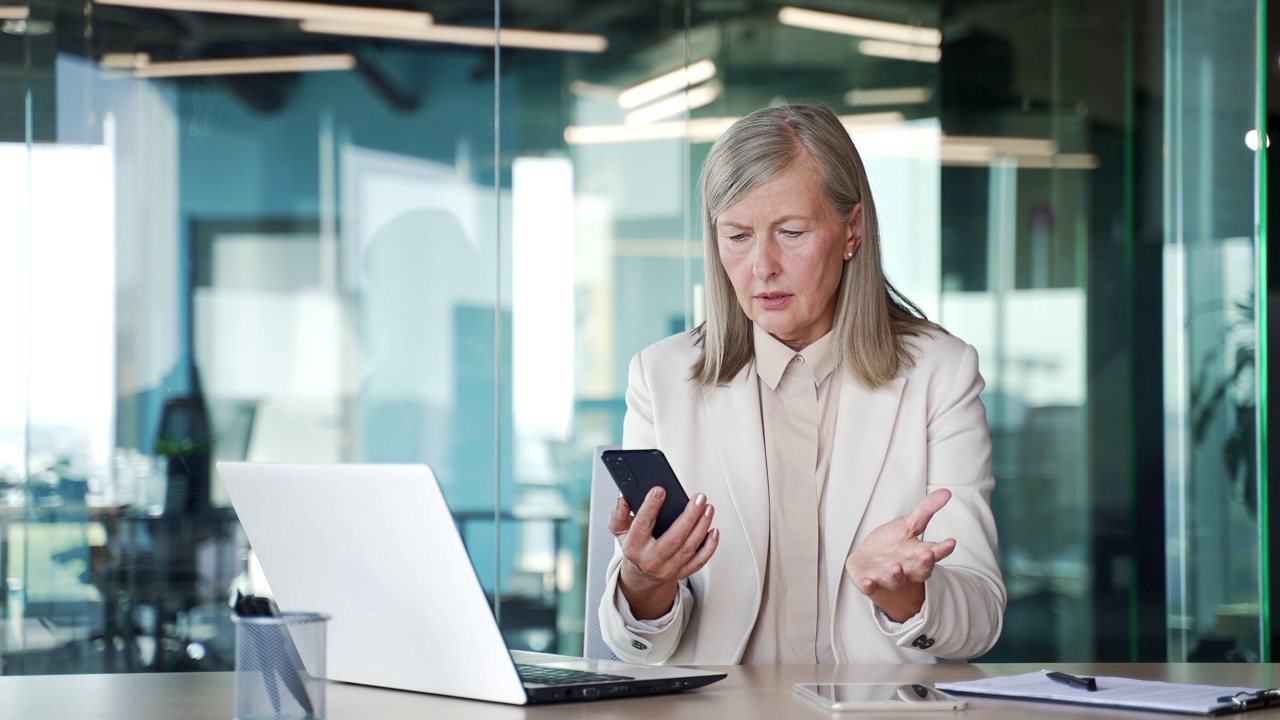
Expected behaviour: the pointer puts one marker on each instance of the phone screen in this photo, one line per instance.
(879, 696)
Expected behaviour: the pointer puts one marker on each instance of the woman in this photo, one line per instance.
(840, 432)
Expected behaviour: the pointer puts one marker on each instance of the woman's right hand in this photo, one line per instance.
(652, 568)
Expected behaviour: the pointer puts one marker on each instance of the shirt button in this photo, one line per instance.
(919, 641)
(799, 360)
(926, 644)
(639, 645)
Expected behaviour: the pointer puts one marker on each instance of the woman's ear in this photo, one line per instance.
(855, 232)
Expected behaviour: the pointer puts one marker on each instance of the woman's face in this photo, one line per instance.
(784, 251)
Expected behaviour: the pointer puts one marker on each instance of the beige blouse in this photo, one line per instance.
(799, 397)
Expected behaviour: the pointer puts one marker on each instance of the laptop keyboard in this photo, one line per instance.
(561, 676)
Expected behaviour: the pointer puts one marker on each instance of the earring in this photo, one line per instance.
(848, 256)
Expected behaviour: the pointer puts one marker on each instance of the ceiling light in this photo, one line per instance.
(900, 51)
(697, 130)
(245, 66)
(598, 91)
(888, 96)
(691, 100)
(1023, 147)
(859, 27)
(124, 61)
(14, 12)
(664, 84)
(27, 27)
(1061, 161)
(287, 10)
(863, 121)
(458, 35)
(1032, 153)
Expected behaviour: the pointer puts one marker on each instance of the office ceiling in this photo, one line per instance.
(642, 35)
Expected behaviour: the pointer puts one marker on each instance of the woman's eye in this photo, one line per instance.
(738, 238)
(792, 233)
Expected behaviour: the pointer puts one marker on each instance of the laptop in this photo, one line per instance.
(376, 548)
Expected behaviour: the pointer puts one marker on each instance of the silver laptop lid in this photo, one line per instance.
(375, 547)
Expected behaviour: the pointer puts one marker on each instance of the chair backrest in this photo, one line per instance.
(600, 544)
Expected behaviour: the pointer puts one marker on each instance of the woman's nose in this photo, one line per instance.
(765, 264)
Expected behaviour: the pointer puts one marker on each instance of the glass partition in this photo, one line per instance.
(400, 236)
(1212, 371)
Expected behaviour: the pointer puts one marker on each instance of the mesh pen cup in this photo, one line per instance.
(280, 667)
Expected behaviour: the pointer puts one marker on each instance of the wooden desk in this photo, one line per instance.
(748, 692)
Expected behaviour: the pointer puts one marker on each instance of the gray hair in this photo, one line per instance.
(873, 321)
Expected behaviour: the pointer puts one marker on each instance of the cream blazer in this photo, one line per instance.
(926, 429)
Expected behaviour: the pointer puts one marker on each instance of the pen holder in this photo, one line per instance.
(280, 667)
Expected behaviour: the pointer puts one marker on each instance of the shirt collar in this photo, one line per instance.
(773, 357)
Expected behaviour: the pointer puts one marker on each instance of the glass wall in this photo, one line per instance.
(310, 236)
(1212, 262)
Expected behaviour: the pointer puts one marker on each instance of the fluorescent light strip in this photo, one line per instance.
(1030, 153)
(1024, 147)
(863, 121)
(246, 66)
(859, 27)
(457, 35)
(287, 11)
(1062, 161)
(597, 91)
(664, 84)
(697, 130)
(691, 100)
(124, 61)
(888, 96)
(900, 51)
(14, 12)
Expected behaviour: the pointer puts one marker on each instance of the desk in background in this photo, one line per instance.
(119, 559)
(748, 692)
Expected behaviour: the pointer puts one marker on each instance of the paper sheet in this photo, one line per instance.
(1111, 692)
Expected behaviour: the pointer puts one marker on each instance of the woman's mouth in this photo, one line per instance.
(773, 300)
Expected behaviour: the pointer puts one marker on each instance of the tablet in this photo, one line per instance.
(880, 697)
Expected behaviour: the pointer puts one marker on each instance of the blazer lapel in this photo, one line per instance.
(864, 427)
(734, 410)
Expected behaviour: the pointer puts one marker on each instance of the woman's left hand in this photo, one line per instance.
(891, 565)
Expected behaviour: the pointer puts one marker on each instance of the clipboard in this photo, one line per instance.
(1123, 693)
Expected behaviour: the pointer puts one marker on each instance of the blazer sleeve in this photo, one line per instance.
(965, 596)
(653, 644)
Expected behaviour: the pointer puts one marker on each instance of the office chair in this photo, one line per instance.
(600, 544)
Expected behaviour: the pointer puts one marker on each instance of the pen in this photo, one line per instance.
(275, 648)
(1079, 683)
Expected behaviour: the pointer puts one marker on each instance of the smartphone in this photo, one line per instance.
(636, 472)
(879, 697)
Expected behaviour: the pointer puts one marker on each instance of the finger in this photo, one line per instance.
(943, 548)
(922, 568)
(647, 516)
(695, 537)
(891, 577)
(679, 542)
(918, 519)
(867, 585)
(684, 525)
(701, 557)
(620, 518)
(638, 540)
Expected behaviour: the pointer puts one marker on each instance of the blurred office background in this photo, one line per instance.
(246, 229)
